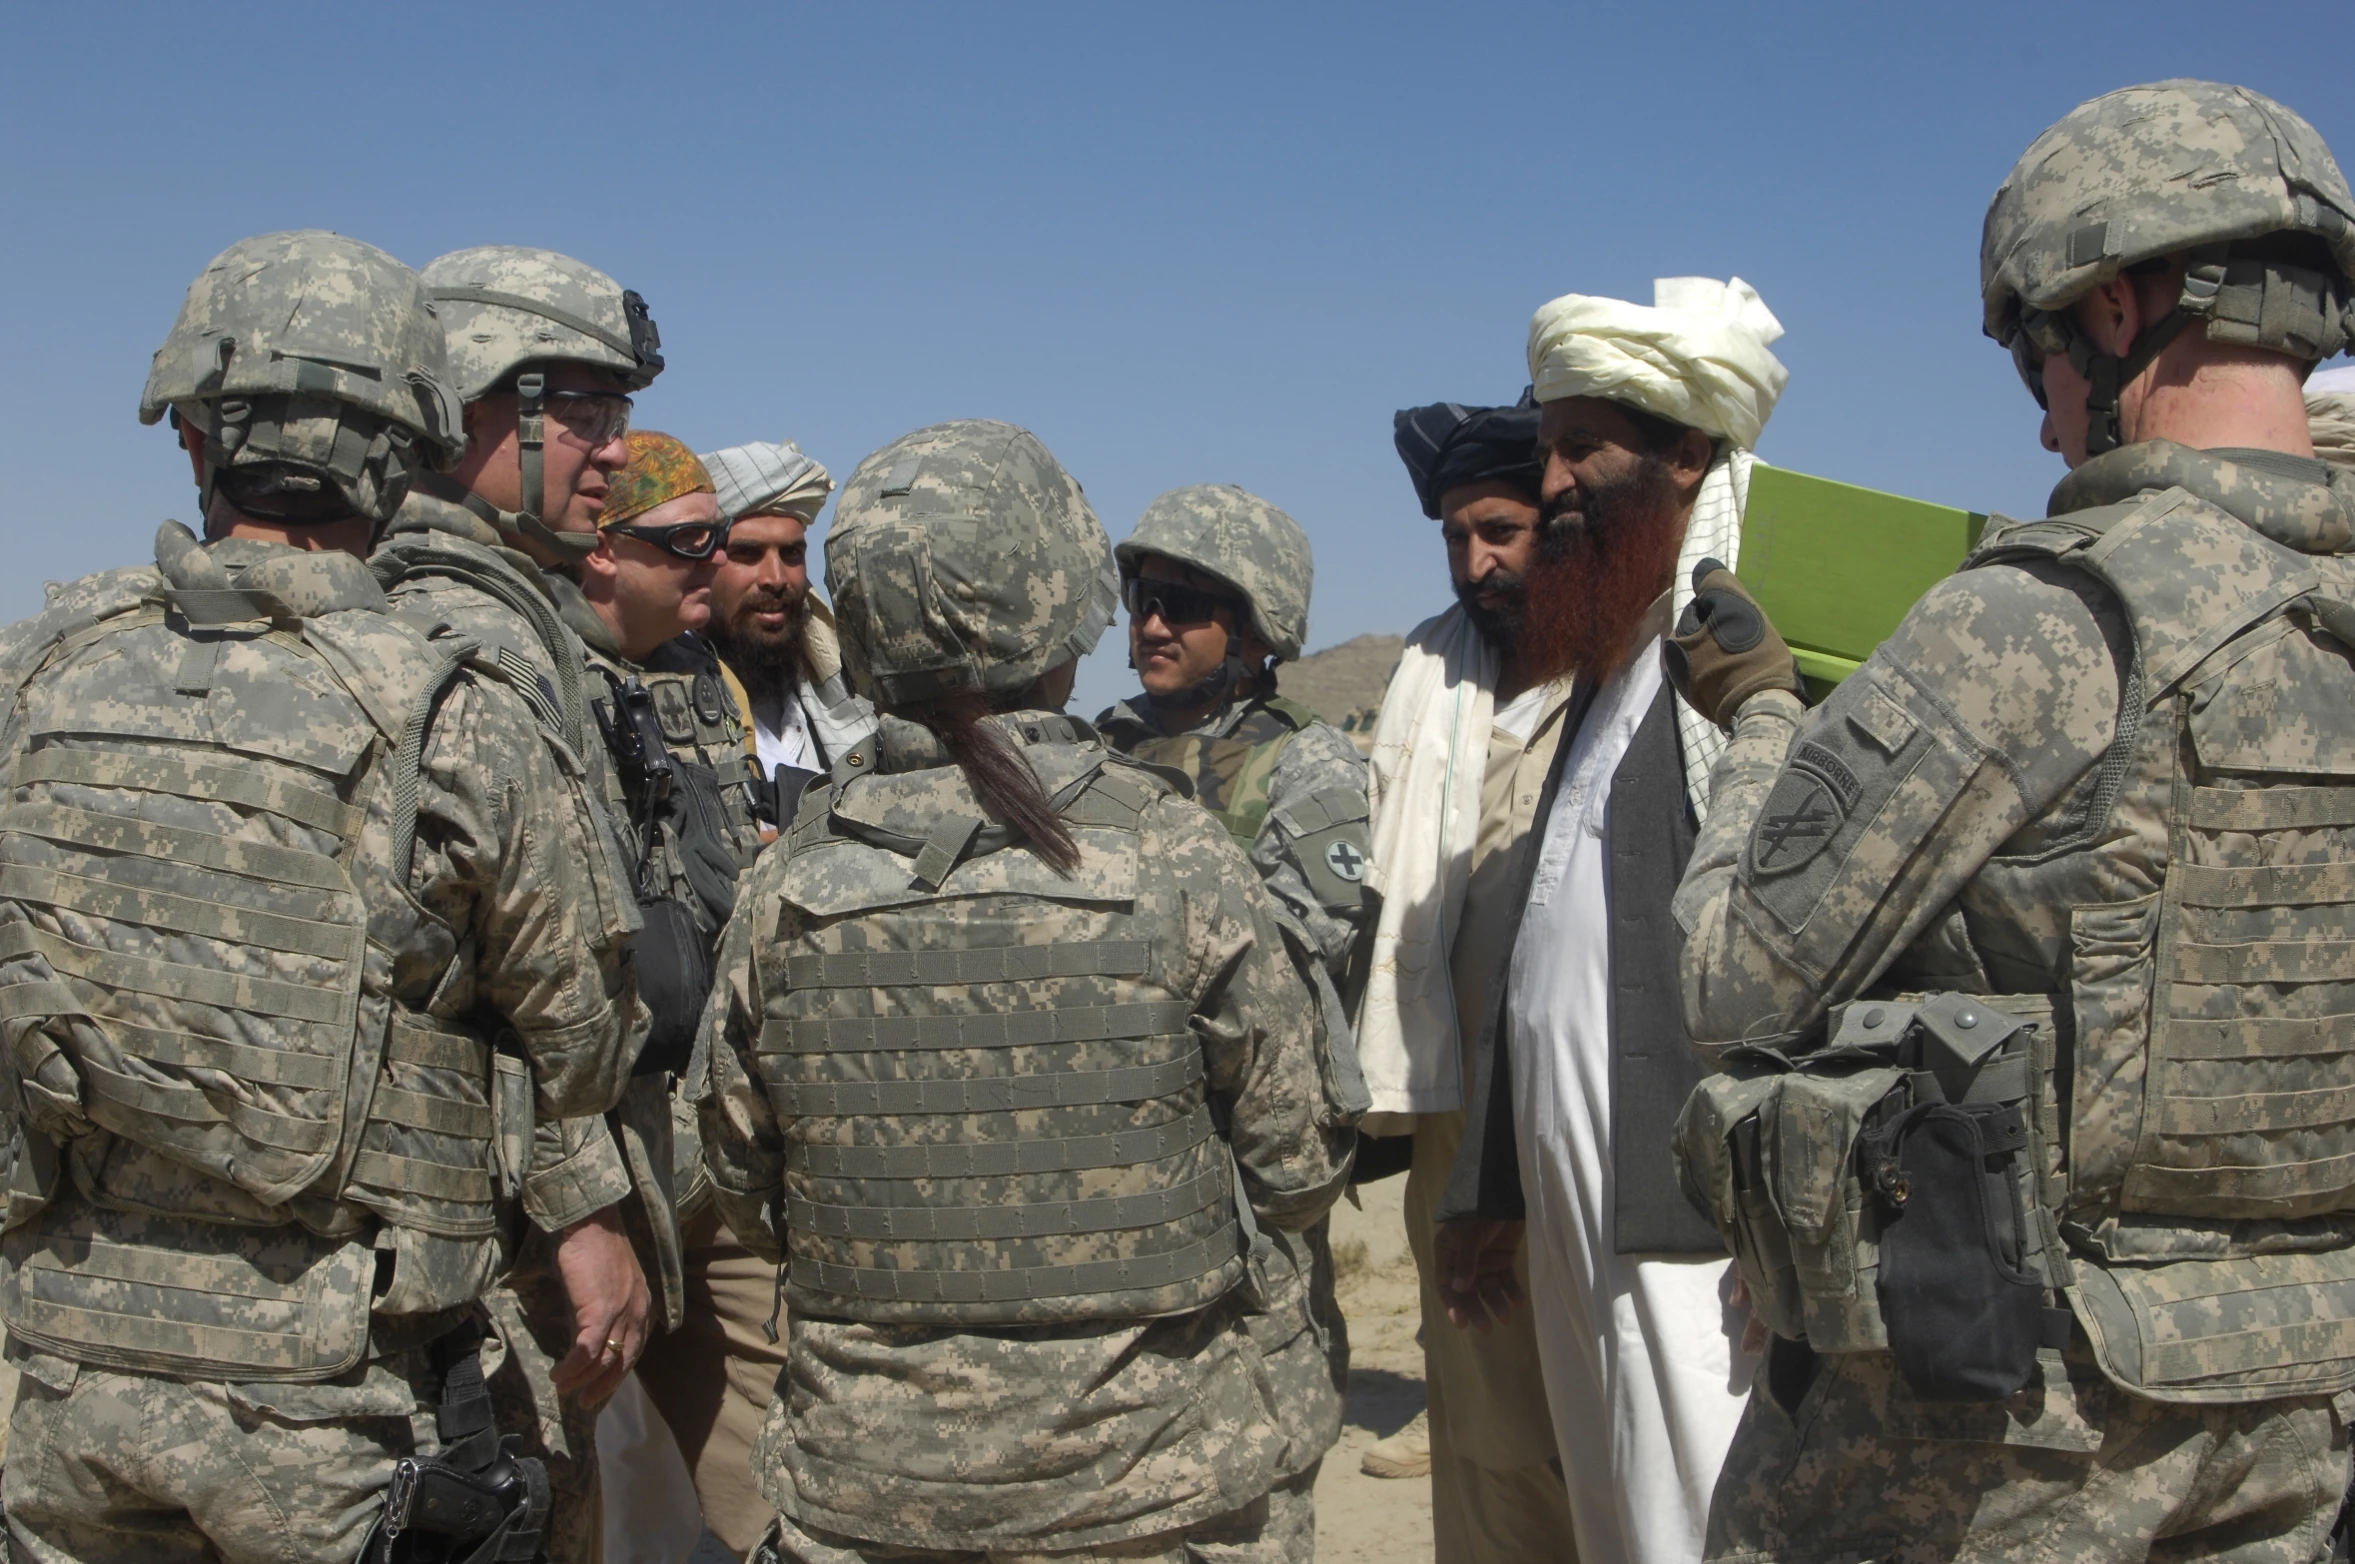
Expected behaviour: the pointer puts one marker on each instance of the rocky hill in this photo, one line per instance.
(1343, 684)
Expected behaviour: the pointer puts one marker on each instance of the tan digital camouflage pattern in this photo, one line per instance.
(2150, 171)
(319, 342)
(1280, 1525)
(1290, 789)
(2110, 763)
(489, 341)
(941, 1436)
(2070, 1469)
(963, 558)
(420, 1150)
(1244, 541)
(1301, 791)
(109, 1465)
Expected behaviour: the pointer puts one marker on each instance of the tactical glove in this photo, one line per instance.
(1724, 651)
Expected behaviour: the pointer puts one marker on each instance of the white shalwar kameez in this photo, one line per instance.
(1641, 1356)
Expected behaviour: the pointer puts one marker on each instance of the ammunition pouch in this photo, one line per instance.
(477, 1502)
(1888, 1189)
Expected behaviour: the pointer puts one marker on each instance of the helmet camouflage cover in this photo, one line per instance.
(1245, 542)
(505, 306)
(309, 360)
(2157, 170)
(963, 558)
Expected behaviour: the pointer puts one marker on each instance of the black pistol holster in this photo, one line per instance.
(477, 1501)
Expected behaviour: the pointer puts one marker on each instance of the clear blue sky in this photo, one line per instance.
(1182, 243)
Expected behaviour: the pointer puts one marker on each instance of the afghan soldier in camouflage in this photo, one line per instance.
(2105, 774)
(1217, 582)
(543, 351)
(1015, 1061)
(304, 923)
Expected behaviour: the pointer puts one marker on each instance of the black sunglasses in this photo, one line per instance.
(686, 539)
(1177, 605)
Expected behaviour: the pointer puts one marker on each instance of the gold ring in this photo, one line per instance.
(613, 1344)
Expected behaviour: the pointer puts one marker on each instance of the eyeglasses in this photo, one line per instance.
(1177, 605)
(2040, 334)
(686, 539)
(593, 417)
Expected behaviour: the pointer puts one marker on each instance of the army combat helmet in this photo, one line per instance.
(1255, 549)
(2240, 185)
(314, 368)
(508, 312)
(963, 559)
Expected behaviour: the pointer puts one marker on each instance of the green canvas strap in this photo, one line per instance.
(408, 760)
(989, 1094)
(999, 1159)
(415, 1041)
(148, 1098)
(960, 968)
(1010, 1029)
(1041, 1219)
(468, 1185)
(1047, 1281)
(2271, 808)
(313, 807)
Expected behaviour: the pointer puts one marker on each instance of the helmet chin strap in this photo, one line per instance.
(2108, 374)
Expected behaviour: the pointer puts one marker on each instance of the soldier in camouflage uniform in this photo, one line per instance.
(543, 351)
(1015, 1061)
(680, 794)
(2107, 770)
(1217, 581)
(304, 924)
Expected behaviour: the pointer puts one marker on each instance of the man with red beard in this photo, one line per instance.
(1648, 416)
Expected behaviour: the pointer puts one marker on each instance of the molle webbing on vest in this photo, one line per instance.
(164, 1294)
(2249, 1105)
(1083, 1178)
(173, 947)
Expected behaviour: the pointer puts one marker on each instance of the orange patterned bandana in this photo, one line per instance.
(660, 469)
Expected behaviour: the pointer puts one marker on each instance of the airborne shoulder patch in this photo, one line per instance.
(1810, 802)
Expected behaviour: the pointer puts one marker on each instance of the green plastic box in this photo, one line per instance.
(1837, 566)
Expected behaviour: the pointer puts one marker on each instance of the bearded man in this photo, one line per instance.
(1648, 415)
(774, 635)
(1461, 750)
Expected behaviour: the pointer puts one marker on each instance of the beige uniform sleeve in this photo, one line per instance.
(1835, 840)
(743, 1141)
(510, 856)
(1257, 1019)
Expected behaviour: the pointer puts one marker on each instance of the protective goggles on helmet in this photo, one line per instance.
(594, 418)
(1177, 605)
(685, 539)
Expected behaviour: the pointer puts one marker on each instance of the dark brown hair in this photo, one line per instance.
(999, 777)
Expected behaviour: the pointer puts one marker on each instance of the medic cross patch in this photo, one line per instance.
(1809, 804)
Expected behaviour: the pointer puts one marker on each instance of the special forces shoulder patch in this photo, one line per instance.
(1810, 802)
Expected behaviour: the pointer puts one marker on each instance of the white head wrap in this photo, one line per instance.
(773, 479)
(1697, 357)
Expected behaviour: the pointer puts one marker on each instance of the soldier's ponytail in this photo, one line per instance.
(1000, 777)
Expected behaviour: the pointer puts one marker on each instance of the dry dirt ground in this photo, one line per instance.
(1361, 1519)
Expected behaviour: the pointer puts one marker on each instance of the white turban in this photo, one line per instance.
(768, 479)
(1697, 357)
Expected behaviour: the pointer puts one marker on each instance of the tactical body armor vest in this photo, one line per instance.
(212, 979)
(1232, 774)
(994, 1107)
(2185, 916)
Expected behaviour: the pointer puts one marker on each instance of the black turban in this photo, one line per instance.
(1447, 445)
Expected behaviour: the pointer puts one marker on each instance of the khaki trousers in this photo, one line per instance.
(712, 1377)
(1497, 1495)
